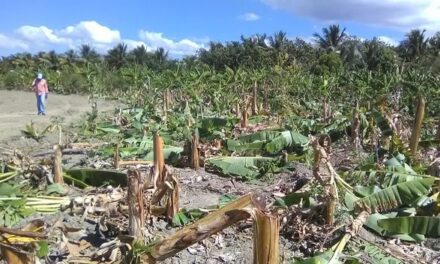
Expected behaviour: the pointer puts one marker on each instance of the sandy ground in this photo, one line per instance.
(19, 108)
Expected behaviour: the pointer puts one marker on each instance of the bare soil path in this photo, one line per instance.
(18, 108)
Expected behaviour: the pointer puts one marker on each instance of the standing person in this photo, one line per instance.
(39, 85)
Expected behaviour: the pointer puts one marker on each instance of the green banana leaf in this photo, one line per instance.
(294, 198)
(394, 196)
(271, 142)
(95, 177)
(382, 123)
(382, 178)
(321, 258)
(372, 224)
(171, 154)
(424, 225)
(245, 168)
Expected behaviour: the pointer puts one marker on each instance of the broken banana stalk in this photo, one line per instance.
(351, 232)
(135, 205)
(159, 161)
(418, 122)
(325, 176)
(57, 165)
(266, 238)
(266, 231)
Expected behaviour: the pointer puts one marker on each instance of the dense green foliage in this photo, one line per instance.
(338, 68)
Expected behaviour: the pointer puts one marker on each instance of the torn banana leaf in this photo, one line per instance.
(271, 142)
(321, 258)
(395, 196)
(246, 168)
(424, 225)
(97, 178)
(295, 198)
(212, 125)
(372, 224)
(383, 178)
(171, 154)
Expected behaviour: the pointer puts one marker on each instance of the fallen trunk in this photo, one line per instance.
(214, 222)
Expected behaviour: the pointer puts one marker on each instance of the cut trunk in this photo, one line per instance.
(355, 127)
(266, 238)
(438, 129)
(415, 136)
(116, 157)
(60, 135)
(135, 202)
(173, 199)
(237, 110)
(244, 118)
(159, 161)
(331, 204)
(325, 110)
(254, 100)
(57, 166)
(214, 222)
(326, 175)
(195, 151)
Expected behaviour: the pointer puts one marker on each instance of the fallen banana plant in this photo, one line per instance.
(246, 168)
(266, 232)
(271, 142)
(24, 246)
(94, 177)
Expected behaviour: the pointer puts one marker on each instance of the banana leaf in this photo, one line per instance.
(209, 126)
(294, 198)
(383, 178)
(271, 142)
(321, 258)
(171, 154)
(97, 178)
(382, 123)
(394, 196)
(424, 225)
(372, 224)
(246, 168)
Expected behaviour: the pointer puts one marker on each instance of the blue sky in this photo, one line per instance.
(183, 26)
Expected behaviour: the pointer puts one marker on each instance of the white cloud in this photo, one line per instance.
(154, 40)
(91, 31)
(400, 14)
(40, 35)
(102, 38)
(388, 40)
(12, 43)
(249, 17)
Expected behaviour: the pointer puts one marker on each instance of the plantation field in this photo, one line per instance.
(264, 150)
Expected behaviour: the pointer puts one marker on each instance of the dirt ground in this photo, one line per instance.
(18, 108)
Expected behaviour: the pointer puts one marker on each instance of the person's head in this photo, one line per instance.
(39, 76)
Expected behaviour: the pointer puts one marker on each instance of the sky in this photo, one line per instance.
(184, 26)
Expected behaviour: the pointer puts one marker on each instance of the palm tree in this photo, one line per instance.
(88, 54)
(279, 41)
(434, 44)
(139, 55)
(415, 44)
(331, 38)
(71, 57)
(117, 56)
(161, 55)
